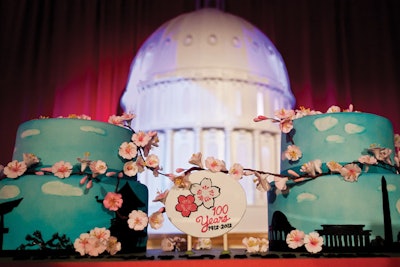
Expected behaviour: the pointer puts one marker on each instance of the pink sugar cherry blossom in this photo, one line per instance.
(82, 243)
(302, 111)
(62, 169)
(140, 163)
(167, 244)
(113, 246)
(350, 172)
(280, 183)
(382, 154)
(252, 244)
(312, 167)
(152, 142)
(285, 114)
(141, 139)
(113, 201)
(181, 181)
(128, 116)
(295, 239)
(127, 150)
(98, 167)
(236, 171)
(286, 125)
(161, 196)
(138, 220)
(261, 182)
(14, 169)
(313, 242)
(196, 159)
(293, 153)
(152, 161)
(203, 243)
(156, 220)
(264, 244)
(214, 165)
(96, 242)
(333, 166)
(100, 233)
(95, 246)
(116, 120)
(89, 244)
(367, 159)
(30, 159)
(130, 168)
(333, 109)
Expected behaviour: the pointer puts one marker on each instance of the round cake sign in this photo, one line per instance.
(212, 206)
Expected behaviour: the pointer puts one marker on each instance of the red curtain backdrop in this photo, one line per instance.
(73, 56)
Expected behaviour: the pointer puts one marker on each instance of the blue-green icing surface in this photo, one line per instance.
(341, 137)
(331, 200)
(53, 205)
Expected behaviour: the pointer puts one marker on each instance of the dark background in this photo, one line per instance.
(59, 57)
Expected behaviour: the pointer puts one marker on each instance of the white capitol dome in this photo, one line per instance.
(199, 80)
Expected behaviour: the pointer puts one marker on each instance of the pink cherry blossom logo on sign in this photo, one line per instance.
(186, 205)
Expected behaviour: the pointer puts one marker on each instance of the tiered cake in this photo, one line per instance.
(343, 182)
(40, 207)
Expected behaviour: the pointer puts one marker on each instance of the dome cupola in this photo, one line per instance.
(206, 66)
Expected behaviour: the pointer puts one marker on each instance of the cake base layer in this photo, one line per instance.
(41, 211)
(329, 200)
(50, 205)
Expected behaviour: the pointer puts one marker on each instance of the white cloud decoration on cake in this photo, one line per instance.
(335, 139)
(389, 187)
(398, 205)
(9, 191)
(93, 130)
(352, 128)
(60, 189)
(30, 132)
(306, 197)
(326, 123)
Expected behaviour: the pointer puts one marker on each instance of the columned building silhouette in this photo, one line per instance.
(199, 80)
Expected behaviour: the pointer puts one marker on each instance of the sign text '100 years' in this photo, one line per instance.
(217, 221)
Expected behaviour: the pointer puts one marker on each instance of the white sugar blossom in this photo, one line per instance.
(333, 166)
(382, 154)
(138, 220)
(350, 172)
(130, 168)
(312, 167)
(127, 150)
(293, 153)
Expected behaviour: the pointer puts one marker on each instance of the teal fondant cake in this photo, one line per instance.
(342, 137)
(45, 208)
(343, 181)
